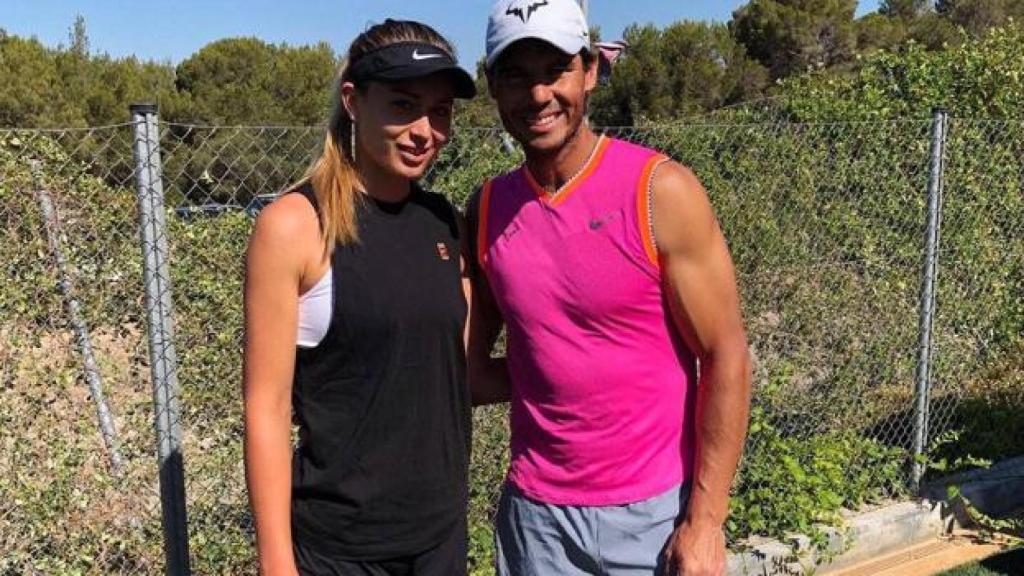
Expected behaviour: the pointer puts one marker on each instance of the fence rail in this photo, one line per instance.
(881, 267)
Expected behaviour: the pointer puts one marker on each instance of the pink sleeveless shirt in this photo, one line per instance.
(602, 385)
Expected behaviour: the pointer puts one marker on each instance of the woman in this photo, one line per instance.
(355, 308)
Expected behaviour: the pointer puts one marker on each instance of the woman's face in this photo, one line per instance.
(400, 127)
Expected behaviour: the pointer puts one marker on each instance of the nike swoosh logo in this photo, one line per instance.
(417, 56)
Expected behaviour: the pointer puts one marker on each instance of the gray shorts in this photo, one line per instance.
(537, 539)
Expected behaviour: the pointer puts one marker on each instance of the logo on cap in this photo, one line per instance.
(517, 6)
(417, 56)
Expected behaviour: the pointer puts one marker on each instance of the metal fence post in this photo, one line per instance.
(93, 378)
(940, 124)
(163, 360)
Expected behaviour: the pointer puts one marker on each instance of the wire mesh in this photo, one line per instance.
(978, 379)
(826, 223)
(71, 296)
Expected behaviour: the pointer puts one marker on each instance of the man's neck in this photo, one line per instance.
(553, 169)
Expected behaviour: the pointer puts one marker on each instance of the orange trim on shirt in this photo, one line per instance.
(643, 208)
(481, 225)
(574, 183)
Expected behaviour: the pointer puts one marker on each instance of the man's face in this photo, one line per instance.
(541, 93)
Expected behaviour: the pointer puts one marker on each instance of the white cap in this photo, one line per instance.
(557, 22)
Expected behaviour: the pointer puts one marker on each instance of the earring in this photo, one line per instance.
(352, 141)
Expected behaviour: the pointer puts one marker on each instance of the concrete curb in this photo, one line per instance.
(864, 536)
(996, 491)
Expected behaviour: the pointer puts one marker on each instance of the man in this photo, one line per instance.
(606, 264)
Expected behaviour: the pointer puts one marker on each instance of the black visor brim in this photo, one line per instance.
(412, 61)
(461, 80)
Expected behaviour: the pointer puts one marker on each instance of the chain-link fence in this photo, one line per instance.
(123, 250)
(73, 359)
(977, 368)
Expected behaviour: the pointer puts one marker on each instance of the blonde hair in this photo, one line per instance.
(333, 176)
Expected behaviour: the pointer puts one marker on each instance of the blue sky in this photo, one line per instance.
(174, 29)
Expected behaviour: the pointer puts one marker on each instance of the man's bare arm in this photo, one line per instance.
(700, 282)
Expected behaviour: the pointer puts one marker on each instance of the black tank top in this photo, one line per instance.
(381, 470)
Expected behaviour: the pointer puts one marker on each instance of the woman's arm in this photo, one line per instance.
(275, 266)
